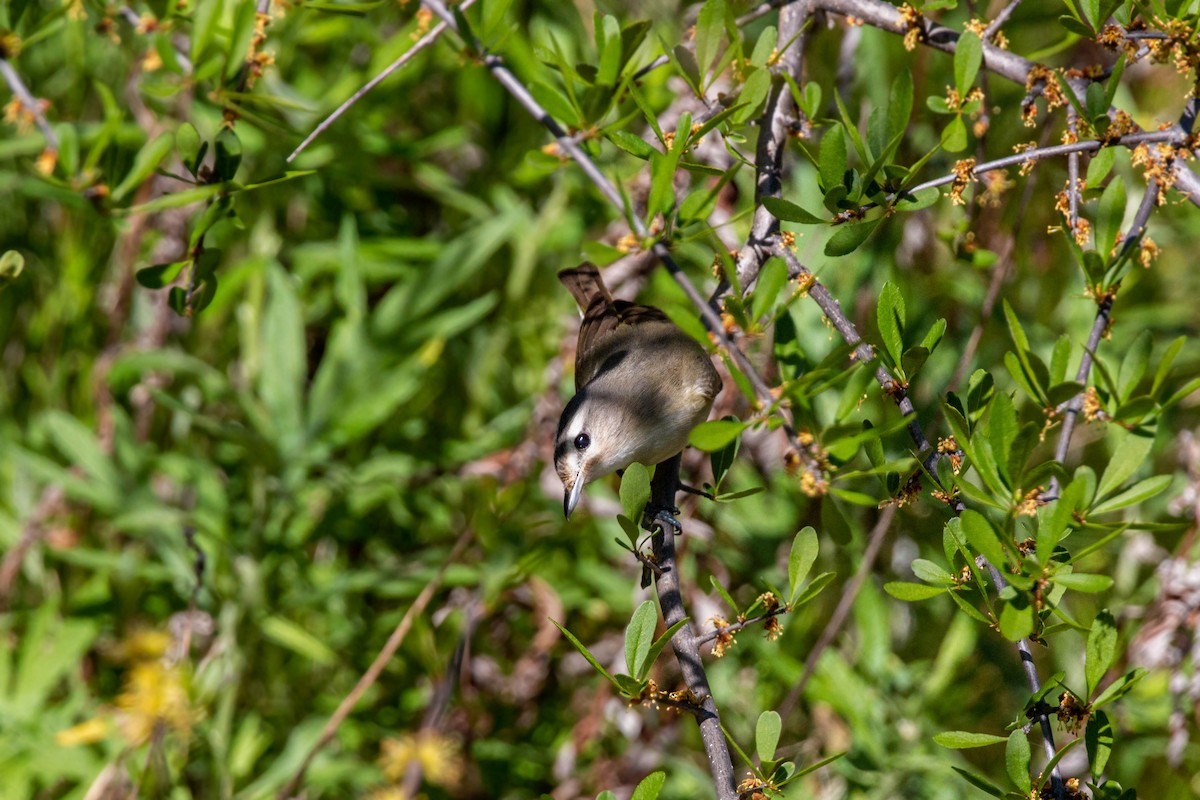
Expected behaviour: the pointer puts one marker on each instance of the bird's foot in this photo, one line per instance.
(661, 517)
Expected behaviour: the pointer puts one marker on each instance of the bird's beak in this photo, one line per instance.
(571, 497)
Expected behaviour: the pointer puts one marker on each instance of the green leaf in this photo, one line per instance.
(979, 783)
(771, 279)
(754, 91)
(1016, 617)
(639, 635)
(587, 654)
(801, 559)
(635, 490)
(1119, 687)
(1130, 453)
(900, 101)
(1133, 366)
(831, 162)
(954, 136)
(814, 588)
(983, 538)
(1137, 493)
(890, 316)
(228, 155)
(658, 646)
(848, 237)
(790, 212)
(715, 434)
(1098, 737)
(932, 573)
(1017, 761)
(631, 144)
(283, 367)
(710, 27)
(1109, 217)
(912, 592)
(1101, 648)
(766, 735)
(288, 634)
(964, 740)
(1161, 373)
(725, 595)
(78, 443)
(1100, 164)
(650, 786)
(159, 275)
(144, 164)
(764, 47)
(608, 36)
(558, 106)
(188, 145)
(968, 56)
(1083, 582)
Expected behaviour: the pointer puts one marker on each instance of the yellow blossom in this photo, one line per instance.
(436, 754)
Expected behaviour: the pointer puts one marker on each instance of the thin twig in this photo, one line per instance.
(28, 102)
(1000, 19)
(425, 41)
(723, 630)
(372, 674)
(1003, 266)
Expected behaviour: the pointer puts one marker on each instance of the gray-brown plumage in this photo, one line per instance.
(641, 383)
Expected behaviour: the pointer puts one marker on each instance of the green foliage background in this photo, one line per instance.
(380, 370)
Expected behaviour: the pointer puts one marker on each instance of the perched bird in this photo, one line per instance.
(641, 385)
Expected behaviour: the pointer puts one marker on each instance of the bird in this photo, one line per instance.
(642, 385)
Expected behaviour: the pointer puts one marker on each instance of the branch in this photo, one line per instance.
(722, 630)
(408, 55)
(775, 125)
(372, 674)
(864, 353)
(1035, 686)
(28, 102)
(685, 643)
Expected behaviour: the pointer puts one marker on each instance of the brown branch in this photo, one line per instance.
(372, 674)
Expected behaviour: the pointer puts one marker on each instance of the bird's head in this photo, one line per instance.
(594, 439)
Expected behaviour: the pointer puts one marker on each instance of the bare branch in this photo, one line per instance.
(28, 102)
(425, 41)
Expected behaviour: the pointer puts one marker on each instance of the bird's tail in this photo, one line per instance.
(585, 285)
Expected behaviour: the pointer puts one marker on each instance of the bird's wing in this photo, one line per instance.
(601, 316)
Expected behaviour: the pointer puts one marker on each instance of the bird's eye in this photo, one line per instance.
(582, 441)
